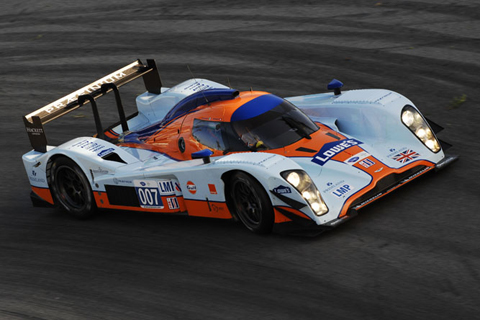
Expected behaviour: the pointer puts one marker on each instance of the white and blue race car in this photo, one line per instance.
(293, 165)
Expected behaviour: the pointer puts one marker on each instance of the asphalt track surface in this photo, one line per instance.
(414, 254)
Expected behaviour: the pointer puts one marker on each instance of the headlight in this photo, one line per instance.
(301, 181)
(417, 124)
(293, 178)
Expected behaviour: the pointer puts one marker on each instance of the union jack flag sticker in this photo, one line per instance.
(406, 156)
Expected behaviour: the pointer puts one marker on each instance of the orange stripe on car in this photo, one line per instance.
(43, 193)
(101, 199)
(208, 209)
(279, 217)
(387, 171)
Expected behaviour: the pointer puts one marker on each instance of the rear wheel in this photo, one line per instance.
(251, 203)
(71, 189)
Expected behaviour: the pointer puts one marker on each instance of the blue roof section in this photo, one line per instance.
(182, 108)
(200, 98)
(256, 107)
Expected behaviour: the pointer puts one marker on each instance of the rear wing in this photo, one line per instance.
(34, 121)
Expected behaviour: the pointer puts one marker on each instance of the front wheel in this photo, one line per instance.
(71, 189)
(251, 203)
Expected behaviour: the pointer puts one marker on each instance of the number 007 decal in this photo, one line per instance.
(148, 194)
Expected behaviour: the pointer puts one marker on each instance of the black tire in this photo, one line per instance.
(71, 189)
(250, 203)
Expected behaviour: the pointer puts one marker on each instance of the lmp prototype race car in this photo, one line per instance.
(293, 165)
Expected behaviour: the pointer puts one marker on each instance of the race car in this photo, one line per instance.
(301, 164)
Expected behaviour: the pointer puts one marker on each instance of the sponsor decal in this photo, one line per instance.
(332, 186)
(342, 191)
(197, 86)
(212, 188)
(177, 187)
(88, 146)
(191, 187)
(34, 131)
(216, 208)
(359, 156)
(406, 156)
(105, 152)
(33, 177)
(353, 159)
(367, 163)
(63, 102)
(331, 149)
(121, 181)
(173, 203)
(378, 170)
(394, 151)
(282, 190)
(166, 187)
(148, 194)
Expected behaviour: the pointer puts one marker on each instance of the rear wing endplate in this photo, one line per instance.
(34, 121)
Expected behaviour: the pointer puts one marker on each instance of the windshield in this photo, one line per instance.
(276, 128)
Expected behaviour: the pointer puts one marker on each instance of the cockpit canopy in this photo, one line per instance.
(262, 128)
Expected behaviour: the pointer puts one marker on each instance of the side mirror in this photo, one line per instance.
(204, 154)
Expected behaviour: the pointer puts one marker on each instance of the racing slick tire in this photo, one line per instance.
(71, 189)
(251, 203)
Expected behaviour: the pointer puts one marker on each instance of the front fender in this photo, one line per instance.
(267, 168)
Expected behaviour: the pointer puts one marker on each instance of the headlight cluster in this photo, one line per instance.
(415, 122)
(304, 185)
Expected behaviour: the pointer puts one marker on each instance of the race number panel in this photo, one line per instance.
(148, 194)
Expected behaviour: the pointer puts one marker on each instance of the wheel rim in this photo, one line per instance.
(71, 189)
(248, 204)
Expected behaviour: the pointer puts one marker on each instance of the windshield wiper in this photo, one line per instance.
(297, 125)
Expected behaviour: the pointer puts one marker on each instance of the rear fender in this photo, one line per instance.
(94, 156)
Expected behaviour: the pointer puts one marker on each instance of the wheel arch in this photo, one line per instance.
(55, 156)
(264, 225)
(226, 178)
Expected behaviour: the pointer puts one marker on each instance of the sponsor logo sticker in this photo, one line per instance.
(331, 185)
(212, 188)
(99, 171)
(191, 187)
(33, 178)
(331, 149)
(121, 181)
(355, 158)
(62, 102)
(105, 152)
(343, 190)
(282, 190)
(217, 208)
(166, 187)
(177, 187)
(173, 203)
(34, 131)
(366, 163)
(88, 146)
